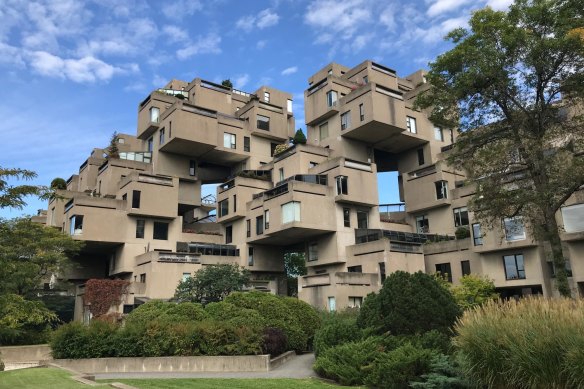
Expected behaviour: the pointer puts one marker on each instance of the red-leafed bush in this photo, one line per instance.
(274, 342)
(102, 294)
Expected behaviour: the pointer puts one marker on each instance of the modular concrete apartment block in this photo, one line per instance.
(144, 220)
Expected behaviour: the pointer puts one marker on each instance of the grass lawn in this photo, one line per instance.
(41, 377)
(215, 383)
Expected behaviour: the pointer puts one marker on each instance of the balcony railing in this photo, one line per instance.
(226, 186)
(200, 248)
(145, 157)
(364, 235)
(320, 179)
(178, 257)
(241, 93)
(181, 94)
(268, 194)
(423, 172)
(446, 148)
(395, 207)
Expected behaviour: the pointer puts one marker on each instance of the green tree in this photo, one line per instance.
(295, 266)
(212, 283)
(410, 304)
(12, 196)
(513, 84)
(473, 290)
(227, 83)
(23, 321)
(299, 137)
(58, 183)
(112, 150)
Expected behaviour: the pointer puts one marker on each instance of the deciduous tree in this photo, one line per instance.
(212, 283)
(513, 84)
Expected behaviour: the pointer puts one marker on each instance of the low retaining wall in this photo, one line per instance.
(245, 363)
(281, 359)
(38, 352)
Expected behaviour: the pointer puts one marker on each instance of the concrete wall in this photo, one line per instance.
(38, 352)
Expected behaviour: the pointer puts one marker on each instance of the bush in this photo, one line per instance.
(347, 363)
(161, 310)
(530, 343)
(410, 304)
(370, 313)
(473, 290)
(334, 333)
(462, 233)
(307, 316)
(274, 341)
(445, 373)
(147, 312)
(75, 340)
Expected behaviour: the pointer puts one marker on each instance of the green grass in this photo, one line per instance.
(40, 378)
(215, 383)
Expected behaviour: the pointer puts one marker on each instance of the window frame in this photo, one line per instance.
(342, 185)
(458, 217)
(347, 217)
(321, 131)
(438, 134)
(140, 228)
(136, 199)
(424, 227)
(477, 240)
(411, 128)
(229, 141)
(508, 232)
(346, 120)
(295, 212)
(518, 271)
(260, 225)
(223, 209)
(441, 189)
(156, 230)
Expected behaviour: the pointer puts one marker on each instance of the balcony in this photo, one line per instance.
(340, 278)
(364, 235)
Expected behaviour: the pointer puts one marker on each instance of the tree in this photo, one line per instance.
(23, 321)
(513, 85)
(112, 150)
(58, 183)
(30, 253)
(227, 83)
(410, 304)
(299, 137)
(473, 291)
(212, 283)
(13, 196)
(295, 266)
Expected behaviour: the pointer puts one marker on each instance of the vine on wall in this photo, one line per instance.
(102, 294)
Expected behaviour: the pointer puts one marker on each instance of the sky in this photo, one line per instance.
(72, 72)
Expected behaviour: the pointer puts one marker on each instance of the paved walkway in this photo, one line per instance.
(298, 367)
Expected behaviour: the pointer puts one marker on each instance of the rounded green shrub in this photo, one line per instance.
(307, 316)
(335, 333)
(148, 312)
(237, 316)
(274, 341)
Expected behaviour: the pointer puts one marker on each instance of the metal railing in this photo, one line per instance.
(320, 179)
(364, 235)
(394, 207)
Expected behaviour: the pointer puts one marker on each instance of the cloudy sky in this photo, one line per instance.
(73, 72)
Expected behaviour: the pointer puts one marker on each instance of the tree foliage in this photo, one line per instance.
(212, 283)
(12, 196)
(513, 84)
(102, 294)
(299, 137)
(58, 183)
(473, 291)
(23, 321)
(31, 252)
(112, 150)
(295, 266)
(227, 83)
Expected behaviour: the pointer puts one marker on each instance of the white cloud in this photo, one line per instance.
(500, 5)
(290, 70)
(82, 70)
(443, 6)
(177, 9)
(175, 34)
(344, 18)
(387, 18)
(241, 81)
(360, 41)
(261, 44)
(11, 55)
(159, 81)
(264, 19)
(208, 44)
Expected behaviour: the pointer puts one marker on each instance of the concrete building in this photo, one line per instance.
(143, 218)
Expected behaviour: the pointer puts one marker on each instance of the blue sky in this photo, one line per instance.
(73, 72)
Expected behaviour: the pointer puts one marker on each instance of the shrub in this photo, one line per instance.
(186, 312)
(462, 233)
(299, 137)
(347, 363)
(334, 333)
(533, 342)
(473, 290)
(307, 316)
(75, 340)
(2, 366)
(147, 312)
(412, 303)
(274, 341)
(445, 373)
(396, 368)
(370, 313)
(237, 316)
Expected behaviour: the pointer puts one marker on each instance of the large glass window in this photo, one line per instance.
(342, 185)
(248, 227)
(154, 114)
(346, 120)
(513, 227)
(362, 221)
(76, 225)
(260, 225)
(289, 105)
(460, 217)
(411, 124)
(438, 134)
(421, 157)
(313, 251)
(465, 267)
(355, 301)
(514, 267)
(150, 144)
(223, 207)
(291, 212)
(331, 98)
(229, 140)
(422, 224)
(160, 231)
(323, 131)
(140, 223)
(267, 219)
(441, 189)
(161, 137)
(361, 112)
(136, 199)
(228, 234)
(477, 234)
(250, 256)
(445, 270)
(347, 217)
(246, 144)
(263, 122)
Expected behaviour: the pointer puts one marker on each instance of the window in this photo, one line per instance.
(365, 80)
(169, 130)
(332, 305)
(382, 271)
(223, 207)
(465, 267)
(347, 217)
(361, 112)
(514, 267)
(234, 203)
(477, 234)
(362, 219)
(438, 134)
(267, 219)
(355, 269)
(355, 301)
(567, 267)
(136, 199)
(246, 143)
(192, 167)
(331, 98)
(259, 225)
(441, 189)
(291, 212)
(143, 277)
(267, 97)
(150, 144)
(346, 120)
(154, 114)
(342, 185)
(273, 149)
(248, 228)
(263, 123)
(444, 270)
(161, 137)
(573, 217)
(313, 251)
(250, 256)
(160, 231)
(450, 135)
(460, 216)
(228, 234)
(125, 197)
(228, 140)
(281, 174)
(140, 228)
(76, 225)
(323, 131)
(513, 227)
(186, 276)
(421, 157)
(411, 124)
(422, 224)
(289, 105)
